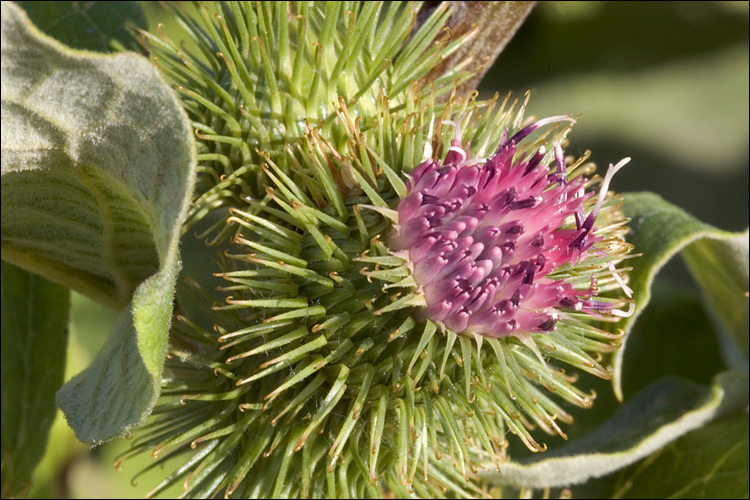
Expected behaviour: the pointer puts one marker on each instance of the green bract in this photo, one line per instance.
(266, 76)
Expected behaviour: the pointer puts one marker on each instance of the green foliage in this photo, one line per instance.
(659, 230)
(653, 418)
(34, 338)
(670, 407)
(75, 124)
(97, 26)
(75, 209)
(710, 462)
(720, 265)
(678, 318)
(119, 389)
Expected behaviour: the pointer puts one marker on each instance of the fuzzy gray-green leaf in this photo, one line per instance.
(655, 417)
(95, 164)
(659, 230)
(120, 387)
(97, 172)
(711, 462)
(720, 265)
(34, 338)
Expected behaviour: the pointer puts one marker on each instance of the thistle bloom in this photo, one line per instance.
(370, 248)
(483, 236)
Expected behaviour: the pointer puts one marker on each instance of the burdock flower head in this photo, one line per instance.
(406, 273)
(489, 240)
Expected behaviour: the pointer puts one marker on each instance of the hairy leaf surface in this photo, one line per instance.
(97, 172)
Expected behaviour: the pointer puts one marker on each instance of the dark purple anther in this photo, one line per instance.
(428, 199)
(548, 325)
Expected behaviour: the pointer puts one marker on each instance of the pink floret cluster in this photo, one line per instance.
(483, 236)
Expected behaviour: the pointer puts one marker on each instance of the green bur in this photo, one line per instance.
(320, 378)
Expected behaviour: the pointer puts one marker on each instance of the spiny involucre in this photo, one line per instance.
(404, 275)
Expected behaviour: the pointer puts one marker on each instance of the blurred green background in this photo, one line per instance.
(665, 83)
